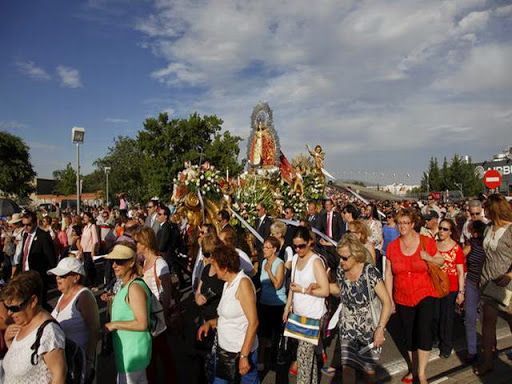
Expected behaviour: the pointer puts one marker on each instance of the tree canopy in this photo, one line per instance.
(457, 174)
(16, 170)
(144, 166)
(66, 180)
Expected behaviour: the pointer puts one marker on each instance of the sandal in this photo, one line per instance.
(407, 380)
(328, 371)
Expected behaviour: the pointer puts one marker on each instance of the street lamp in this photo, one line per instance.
(77, 136)
(107, 170)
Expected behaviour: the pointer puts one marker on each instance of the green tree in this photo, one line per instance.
(125, 160)
(16, 171)
(445, 175)
(166, 144)
(66, 180)
(432, 177)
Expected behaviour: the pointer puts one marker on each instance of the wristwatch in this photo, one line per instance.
(242, 356)
(462, 292)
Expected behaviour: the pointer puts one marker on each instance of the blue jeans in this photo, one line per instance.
(471, 306)
(251, 377)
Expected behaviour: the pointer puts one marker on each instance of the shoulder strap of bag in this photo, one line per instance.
(157, 279)
(34, 359)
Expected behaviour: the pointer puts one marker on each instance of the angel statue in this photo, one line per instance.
(317, 155)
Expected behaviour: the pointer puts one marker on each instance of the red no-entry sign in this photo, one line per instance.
(492, 179)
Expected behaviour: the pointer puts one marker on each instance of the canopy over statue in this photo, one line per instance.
(263, 150)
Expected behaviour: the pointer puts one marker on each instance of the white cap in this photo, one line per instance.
(66, 265)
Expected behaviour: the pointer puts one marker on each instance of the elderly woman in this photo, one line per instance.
(496, 274)
(308, 289)
(237, 322)
(158, 278)
(360, 229)
(130, 317)
(76, 310)
(359, 283)
(273, 296)
(454, 268)
(22, 299)
(408, 283)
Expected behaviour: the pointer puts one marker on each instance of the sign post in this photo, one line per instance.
(492, 179)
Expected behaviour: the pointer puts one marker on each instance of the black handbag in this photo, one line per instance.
(227, 365)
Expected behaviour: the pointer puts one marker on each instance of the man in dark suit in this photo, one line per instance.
(289, 212)
(38, 252)
(168, 238)
(262, 225)
(223, 217)
(332, 225)
(313, 217)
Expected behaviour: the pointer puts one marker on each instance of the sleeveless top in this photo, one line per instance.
(304, 304)
(269, 294)
(161, 267)
(232, 324)
(72, 322)
(132, 349)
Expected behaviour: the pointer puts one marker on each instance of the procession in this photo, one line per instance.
(219, 191)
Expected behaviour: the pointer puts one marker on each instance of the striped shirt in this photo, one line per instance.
(475, 260)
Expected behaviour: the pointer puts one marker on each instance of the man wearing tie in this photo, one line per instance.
(263, 223)
(332, 226)
(38, 252)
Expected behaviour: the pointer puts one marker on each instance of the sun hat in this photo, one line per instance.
(67, 265)
(121, 252)
(15, 218)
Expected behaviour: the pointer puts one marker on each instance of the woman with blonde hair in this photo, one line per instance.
(285, 253)
(360, 229)
(358, 283)
(496, 275)
(158, 279)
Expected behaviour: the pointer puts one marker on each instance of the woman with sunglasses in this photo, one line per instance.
(130, 317)
(389, 231)
(454, 267)
(22, 299)
(358, 282)
(196, 250)
(77, 310)
(497, 270)
(308, 289)
(410, 287)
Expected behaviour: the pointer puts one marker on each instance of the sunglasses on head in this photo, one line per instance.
(16, 308)
(300, 246)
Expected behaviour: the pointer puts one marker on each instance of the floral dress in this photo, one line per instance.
(356, 326)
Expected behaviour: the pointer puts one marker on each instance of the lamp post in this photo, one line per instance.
(107, 170)
(77, 136)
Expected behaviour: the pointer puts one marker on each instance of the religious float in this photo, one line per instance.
(201, 191)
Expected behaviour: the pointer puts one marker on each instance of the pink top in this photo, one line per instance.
(89, 238)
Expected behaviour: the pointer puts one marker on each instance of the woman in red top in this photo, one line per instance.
(409, 284)
(454, 268)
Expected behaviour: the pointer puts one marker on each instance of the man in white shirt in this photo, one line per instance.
(151, 219)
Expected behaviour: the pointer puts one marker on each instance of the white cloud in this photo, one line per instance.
(30, 69)
(69, 77)
(504, 11)
(115, 120)
(12, 125)
(486, 68)
(43, 146)
(353, 76)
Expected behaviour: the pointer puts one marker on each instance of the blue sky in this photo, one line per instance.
(381, 85)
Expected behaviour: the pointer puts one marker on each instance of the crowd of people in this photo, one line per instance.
(336, 277)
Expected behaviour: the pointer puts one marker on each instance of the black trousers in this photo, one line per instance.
(443, 322)
(417, 324)
(90, 269)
